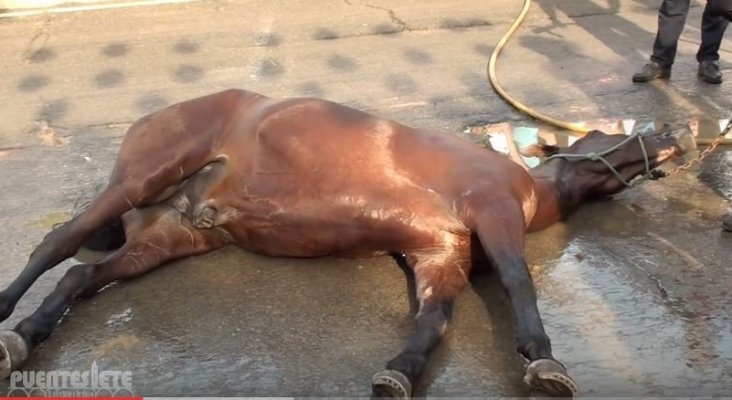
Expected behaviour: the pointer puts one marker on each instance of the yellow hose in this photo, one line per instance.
(510, 100)
(578, 129)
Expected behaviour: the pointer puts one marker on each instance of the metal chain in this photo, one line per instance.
(704, 154)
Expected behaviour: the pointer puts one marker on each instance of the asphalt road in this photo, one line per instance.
(634, 292)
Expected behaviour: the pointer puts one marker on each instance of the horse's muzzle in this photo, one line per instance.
(685, 141)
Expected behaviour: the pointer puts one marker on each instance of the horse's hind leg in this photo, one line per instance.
(155, 235)
(439, 280)
(136, 180)
(63, 242)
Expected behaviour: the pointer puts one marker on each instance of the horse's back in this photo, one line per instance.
(321, 178)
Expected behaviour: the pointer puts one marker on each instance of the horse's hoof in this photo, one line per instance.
(550, 377)
(391, 383)
(13, 352)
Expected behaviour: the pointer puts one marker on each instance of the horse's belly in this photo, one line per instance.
(321, 231)
(295, 238)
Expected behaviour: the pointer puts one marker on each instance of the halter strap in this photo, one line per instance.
(593, 156)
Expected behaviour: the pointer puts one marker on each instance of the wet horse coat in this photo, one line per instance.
(309, 178)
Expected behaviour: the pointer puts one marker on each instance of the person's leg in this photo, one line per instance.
(720, 7)
(713, 27)
(712, 31)
(671, 20)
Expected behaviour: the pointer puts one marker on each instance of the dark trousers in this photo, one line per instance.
(671, 20)
(721, 7)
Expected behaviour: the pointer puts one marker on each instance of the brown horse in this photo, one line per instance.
(310, 178)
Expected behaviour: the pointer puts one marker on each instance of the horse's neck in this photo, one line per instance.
(555, 200)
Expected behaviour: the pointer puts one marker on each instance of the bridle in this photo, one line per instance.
(651, 174)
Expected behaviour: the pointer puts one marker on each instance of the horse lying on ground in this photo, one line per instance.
(310, 178)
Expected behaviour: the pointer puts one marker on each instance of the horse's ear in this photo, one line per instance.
(539, 150)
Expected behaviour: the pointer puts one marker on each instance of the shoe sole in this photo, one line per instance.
(644, 79)
(709, 80)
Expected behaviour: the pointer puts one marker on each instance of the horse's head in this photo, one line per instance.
(599, 164)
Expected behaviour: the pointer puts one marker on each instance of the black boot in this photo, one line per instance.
(709, 72)
(651, 71)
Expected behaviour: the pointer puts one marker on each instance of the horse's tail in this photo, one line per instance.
(107, 238)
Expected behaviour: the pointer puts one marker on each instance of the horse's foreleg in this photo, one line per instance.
(503, 242)
(439, 280)
(155, 235)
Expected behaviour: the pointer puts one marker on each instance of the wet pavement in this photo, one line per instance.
(634, 292)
